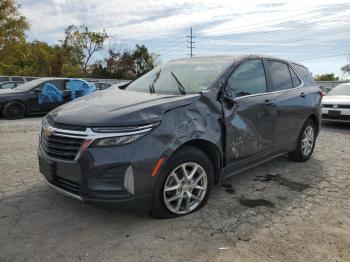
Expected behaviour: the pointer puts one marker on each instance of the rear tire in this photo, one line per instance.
(190, 193)
(306, 142)
(14, 110)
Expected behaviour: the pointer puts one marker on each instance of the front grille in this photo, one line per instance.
(340, 117)
(67, 185)
(339, 106)
(60, 147)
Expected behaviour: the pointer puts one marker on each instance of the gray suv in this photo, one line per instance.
(169, 137)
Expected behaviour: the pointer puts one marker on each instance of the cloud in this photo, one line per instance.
(292, 28)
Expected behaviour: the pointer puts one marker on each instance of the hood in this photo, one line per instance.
(344, 100)
(115, 107)
(6, 91)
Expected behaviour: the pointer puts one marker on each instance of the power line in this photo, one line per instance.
(285, 19)
(272, 35)
(321, 57)
(191, 42)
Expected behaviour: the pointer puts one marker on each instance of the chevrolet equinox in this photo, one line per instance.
(162, 142)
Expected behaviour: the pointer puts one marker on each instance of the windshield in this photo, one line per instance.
(180, 77)
(30, 85)
(341, 90)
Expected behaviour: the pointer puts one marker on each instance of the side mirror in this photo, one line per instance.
(229, 99)
(37, 91)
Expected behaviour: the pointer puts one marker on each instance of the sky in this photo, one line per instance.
(313, 33)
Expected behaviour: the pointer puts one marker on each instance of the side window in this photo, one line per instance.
(4, 78)
(60, 84)
(304, 74)
(8, 85)
(280, 75)
(295, 79)
(20, 79)
(248, 79)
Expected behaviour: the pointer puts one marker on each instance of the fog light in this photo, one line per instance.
(129, 180)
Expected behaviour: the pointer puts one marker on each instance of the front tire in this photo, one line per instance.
(14, 110)
(306, 142)
(184, 185)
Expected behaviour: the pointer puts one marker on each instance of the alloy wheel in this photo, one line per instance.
(185, 188)
(307, 141)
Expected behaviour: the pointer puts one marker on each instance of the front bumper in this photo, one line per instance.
(119, 176)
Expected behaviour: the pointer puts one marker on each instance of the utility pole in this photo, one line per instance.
(191, 42)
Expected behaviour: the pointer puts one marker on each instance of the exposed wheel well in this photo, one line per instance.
(212, 151)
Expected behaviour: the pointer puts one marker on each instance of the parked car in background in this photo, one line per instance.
(41, 96)
(17, 78)
(10, 84)
(164, 141)
(336, 104)
(101, 86)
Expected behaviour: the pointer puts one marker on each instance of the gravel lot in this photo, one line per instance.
(280, 211)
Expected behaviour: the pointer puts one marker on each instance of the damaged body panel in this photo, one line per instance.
(176, 131)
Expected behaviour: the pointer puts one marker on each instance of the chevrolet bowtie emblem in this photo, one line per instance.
(48, 131)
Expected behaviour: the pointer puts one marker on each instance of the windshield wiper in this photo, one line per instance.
(151, 89)
(151, 86)
(180, 86)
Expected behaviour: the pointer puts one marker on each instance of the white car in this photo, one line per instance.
(336, 104)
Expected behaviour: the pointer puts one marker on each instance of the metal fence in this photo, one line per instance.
(329, 85)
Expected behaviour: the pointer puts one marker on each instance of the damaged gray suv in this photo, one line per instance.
(163, 142)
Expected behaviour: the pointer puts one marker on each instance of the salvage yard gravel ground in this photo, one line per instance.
(279, 211)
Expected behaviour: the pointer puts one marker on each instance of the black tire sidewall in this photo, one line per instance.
(186, 154)
(6, 107)
(299, 148)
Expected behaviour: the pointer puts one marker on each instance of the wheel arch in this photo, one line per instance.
(314, 118)
(211, 150)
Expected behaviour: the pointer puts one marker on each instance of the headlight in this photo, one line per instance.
(120, 136)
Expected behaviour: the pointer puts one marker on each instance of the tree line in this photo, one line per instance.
(78, 54)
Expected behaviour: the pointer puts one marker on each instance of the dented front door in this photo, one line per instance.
(251, 115)
(250, 125)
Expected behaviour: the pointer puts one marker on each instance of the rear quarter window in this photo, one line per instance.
(280, 75)
(305, 74)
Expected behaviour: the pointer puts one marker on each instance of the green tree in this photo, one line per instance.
(326, 77)
(83, 44)
(143, 60)
(12, 24)
(12, 36)
(346, 69)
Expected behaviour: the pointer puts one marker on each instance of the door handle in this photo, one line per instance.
(268, 103)
(302, 94)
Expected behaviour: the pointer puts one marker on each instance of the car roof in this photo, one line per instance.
(231, 58)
